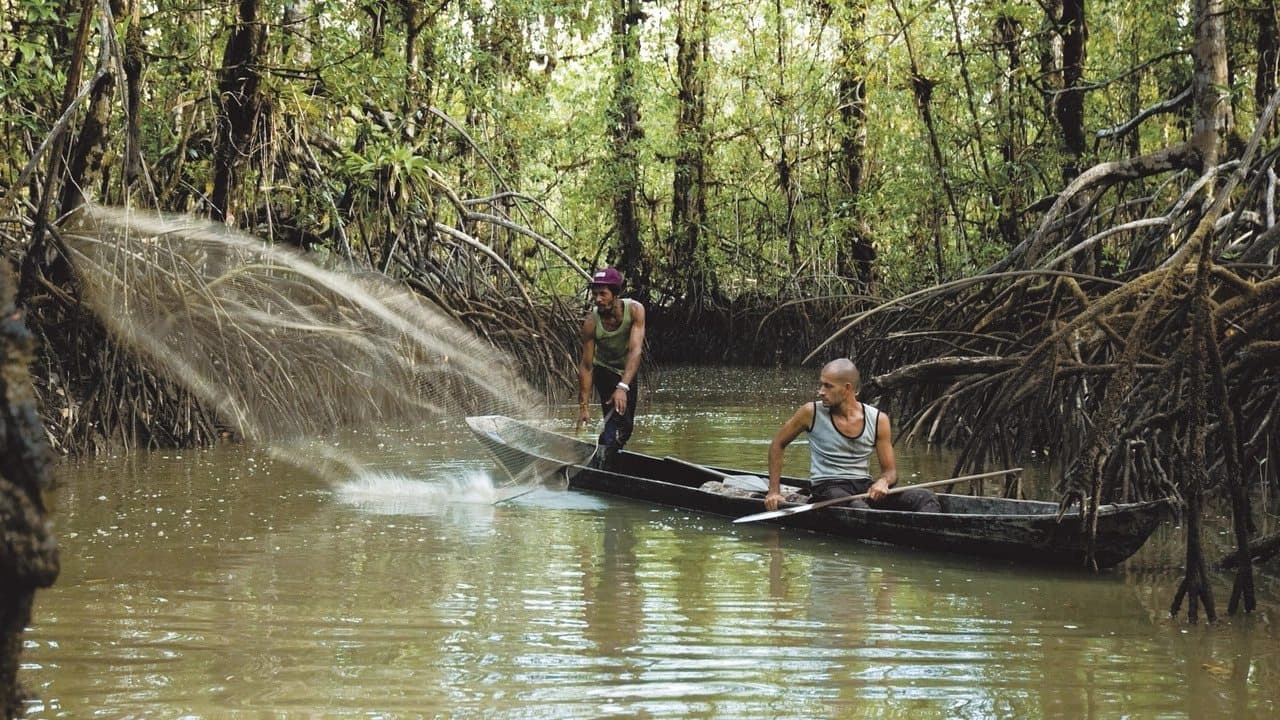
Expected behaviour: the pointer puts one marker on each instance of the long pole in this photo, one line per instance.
(771, 514)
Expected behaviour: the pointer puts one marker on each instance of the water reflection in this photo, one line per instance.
(225, 584)
(611, 594)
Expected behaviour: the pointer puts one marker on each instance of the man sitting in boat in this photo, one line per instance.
(842, 433)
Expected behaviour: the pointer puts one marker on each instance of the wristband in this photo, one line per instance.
(625, 387)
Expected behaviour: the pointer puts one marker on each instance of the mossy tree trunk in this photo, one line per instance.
(28, 551)
(239, 104)
(625, 132)
(856, 254)
(1068, 109)
(690, 257)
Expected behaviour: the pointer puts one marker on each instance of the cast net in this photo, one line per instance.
(307, 360)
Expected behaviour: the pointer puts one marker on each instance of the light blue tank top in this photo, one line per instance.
(834, 455)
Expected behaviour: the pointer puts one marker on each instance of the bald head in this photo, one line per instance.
(842, 370)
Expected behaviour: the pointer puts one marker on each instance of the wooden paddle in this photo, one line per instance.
(771, 514)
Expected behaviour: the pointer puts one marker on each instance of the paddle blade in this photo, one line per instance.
(771, 514)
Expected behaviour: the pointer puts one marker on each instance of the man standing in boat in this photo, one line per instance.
(842, 433)
(612, 341)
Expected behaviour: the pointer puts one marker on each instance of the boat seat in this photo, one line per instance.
(789, 493)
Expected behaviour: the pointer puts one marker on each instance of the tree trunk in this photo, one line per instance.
(409, 10)
(784, 165)
(34, 263)
(1195, 586)
(1069, 108)
(239, 105)
(625, 131)
(134, 58)
(1133, 96)
(691, 261)
(1268, 47)
(922, 91)
(86, 155)
(28, 551)
(377, 10)
(856, 254)
(1213, 116)
(1009, 197)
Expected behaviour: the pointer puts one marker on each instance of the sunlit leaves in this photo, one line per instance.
(356, 93)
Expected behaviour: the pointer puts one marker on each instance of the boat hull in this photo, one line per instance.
(1026, 531)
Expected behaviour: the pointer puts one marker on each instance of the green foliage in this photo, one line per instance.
(31, 75)
(349, 91)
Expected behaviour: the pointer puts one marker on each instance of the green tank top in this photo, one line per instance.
(611, 345)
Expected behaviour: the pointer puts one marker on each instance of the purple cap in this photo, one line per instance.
(607, 276)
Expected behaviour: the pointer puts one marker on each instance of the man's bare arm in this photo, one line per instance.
(635, 349)
(799, 421)
(635, 344)
(888, 461)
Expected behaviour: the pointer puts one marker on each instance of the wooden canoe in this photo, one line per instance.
(1027, 531)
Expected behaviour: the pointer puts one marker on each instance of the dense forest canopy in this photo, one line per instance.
(900, 142)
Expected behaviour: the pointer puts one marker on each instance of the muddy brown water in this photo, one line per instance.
(224, 584)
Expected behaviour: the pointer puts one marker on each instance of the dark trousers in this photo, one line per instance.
(914, 500)
(617, 428)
